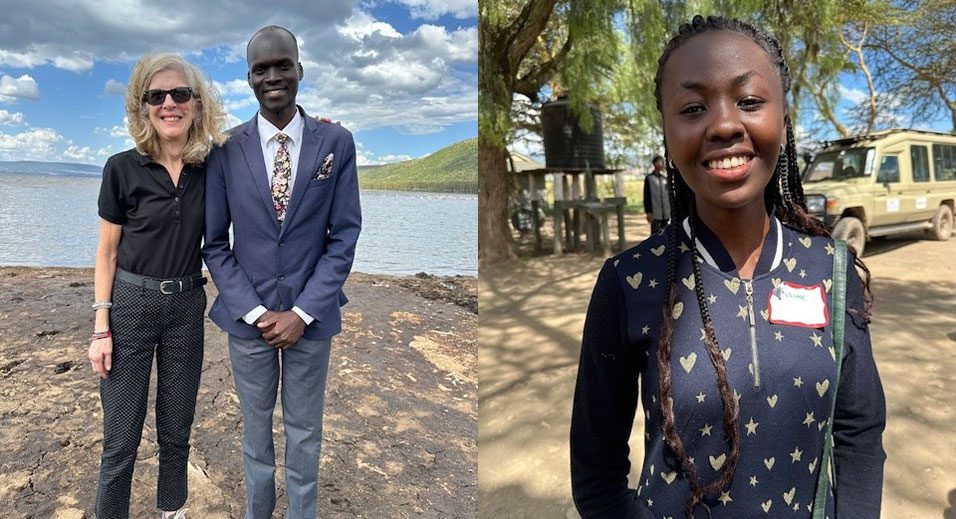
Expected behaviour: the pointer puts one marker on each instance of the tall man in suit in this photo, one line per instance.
(289, 187)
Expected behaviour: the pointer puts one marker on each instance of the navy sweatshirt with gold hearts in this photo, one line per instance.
(783, 376)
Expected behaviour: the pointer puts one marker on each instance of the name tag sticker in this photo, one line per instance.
(798, 305)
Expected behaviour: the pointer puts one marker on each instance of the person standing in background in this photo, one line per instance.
(656, 203)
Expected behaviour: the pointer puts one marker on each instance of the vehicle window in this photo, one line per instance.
(919, 158)
(837, 165)
(889, 170)
(944, 161)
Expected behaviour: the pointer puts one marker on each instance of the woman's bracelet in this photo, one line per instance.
(102, 304)
(100, 335)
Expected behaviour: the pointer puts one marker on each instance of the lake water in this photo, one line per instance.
(52, 221)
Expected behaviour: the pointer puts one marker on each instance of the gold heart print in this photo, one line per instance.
(776, 282)
(791, 264)
(718, 461)
(669, 476)
(635, 280)
(657, 251)
(822, 387)
(806, 242)
(766, 506)
(828, 283)
(813, 465)
(688, 282)
(677, 310)
(772, 400)
(732, 284)
(726, 354)
(768, 462)
(788, 496)
(688, 362)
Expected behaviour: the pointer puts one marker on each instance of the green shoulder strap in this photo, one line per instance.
(838, 312)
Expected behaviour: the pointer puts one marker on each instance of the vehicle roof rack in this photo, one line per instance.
(846, 141)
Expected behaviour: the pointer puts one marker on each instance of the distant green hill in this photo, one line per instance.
(453, 169)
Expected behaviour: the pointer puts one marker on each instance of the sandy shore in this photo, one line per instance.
(400, 422)
(532, 315)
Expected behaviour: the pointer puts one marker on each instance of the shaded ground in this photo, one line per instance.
(532, 314)
(400, 419)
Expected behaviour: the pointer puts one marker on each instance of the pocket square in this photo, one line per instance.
(325, 170)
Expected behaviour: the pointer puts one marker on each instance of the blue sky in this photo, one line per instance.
(401, 74)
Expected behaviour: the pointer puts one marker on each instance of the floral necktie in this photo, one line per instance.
(280, 176)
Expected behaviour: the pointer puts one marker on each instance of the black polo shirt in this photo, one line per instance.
(162, 223)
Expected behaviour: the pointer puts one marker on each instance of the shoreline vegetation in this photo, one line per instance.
(452, 169)
(400, 421)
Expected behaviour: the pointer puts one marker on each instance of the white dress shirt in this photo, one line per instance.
(267, 134)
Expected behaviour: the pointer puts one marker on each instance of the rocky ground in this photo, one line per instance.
(400, 421)
(532, 314)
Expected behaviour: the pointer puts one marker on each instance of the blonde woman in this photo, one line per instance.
(149, 300)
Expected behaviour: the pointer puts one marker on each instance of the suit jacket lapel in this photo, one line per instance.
(252, 150)
(308, 163)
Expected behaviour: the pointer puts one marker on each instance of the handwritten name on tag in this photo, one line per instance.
(798, 305)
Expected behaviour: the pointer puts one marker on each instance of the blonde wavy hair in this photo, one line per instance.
(209, 118)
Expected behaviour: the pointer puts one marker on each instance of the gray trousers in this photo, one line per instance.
(303, 369)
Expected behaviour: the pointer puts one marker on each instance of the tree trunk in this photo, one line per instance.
(494, 186)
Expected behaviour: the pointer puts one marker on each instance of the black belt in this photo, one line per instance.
(166, 286)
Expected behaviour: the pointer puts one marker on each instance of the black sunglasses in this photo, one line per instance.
(156, 97)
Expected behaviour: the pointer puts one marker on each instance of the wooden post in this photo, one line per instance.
(558, 183)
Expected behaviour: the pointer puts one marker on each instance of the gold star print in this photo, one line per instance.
(705, 430)
(803, 273)
(817, 339)
(683, 247)
(725, 498)
(742, 313)
(712, 299)
(829, 249)
(645, 329)
(798, 381)
(652, 283)
(796, 507)
(751, 426)
(637, 255)
(650, 503)
(778, 335)
(753, 481)
(737, 397)
(700, 397)
(796, 454)
(690, 459)
(809, 420)
(703, 334)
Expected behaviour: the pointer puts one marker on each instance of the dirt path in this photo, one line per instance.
(400, 420)
(531, 317)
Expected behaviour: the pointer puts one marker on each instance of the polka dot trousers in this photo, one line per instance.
(145, 323)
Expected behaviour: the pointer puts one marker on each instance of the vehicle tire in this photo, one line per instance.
(942, 223)
(851, 230)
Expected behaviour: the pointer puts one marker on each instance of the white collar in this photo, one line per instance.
(268, 131)
(777, 257)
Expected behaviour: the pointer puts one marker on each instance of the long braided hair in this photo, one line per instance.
(783, 194)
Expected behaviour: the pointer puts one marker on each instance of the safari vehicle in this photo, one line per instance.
(884, 183)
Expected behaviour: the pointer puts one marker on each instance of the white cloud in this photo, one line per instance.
(79, 154)
(114, 87)
(853, 95)
(11, 119)
(119, 132)
(35, 144)
(431, 9)
(22, 87)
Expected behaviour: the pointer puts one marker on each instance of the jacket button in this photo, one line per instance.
(281, 277)
(281, 243)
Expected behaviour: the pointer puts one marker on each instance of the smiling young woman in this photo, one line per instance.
(741, 290)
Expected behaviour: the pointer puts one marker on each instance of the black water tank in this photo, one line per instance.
(565, 143)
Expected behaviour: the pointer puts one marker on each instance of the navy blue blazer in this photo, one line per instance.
(305, 261)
